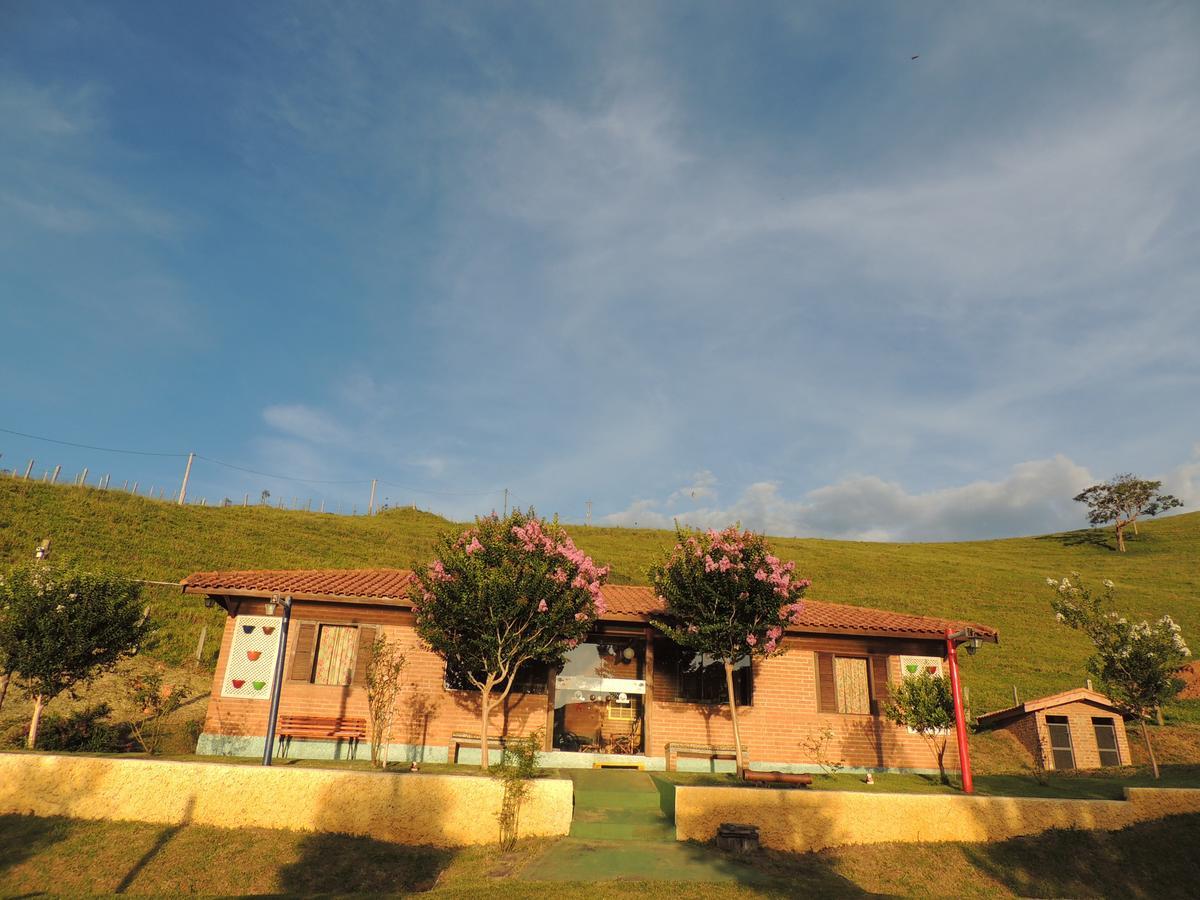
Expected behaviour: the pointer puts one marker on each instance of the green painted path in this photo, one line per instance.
(624, 829)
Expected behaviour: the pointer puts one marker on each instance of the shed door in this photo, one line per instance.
(1106, 741)
(1060, 742)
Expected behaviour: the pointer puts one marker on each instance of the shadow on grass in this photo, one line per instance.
(157, 847)
(23, 837)
(1086, 537)
(345, 864)
(666, 796)
(1151, 859)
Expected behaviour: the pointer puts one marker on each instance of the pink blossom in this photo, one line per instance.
(769, 646)
(693, 629)
(572, 643)
(774, 632)
(542, 607)
(474, 546)
(761, 574)
(580, 616)
(751, 640)
(559, 575)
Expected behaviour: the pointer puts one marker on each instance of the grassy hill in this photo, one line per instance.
(999, 583)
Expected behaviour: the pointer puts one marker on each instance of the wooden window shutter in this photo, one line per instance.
(880, 692)
(366, 644)
(302, 661)
(826, 684)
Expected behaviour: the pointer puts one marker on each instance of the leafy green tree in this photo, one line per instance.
(728, 596)
(1122, 499)
(503, 594)
(925, 703)
(1135, 663)
(60, 627)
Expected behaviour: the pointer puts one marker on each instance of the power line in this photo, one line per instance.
(36, 437)
(280, 477)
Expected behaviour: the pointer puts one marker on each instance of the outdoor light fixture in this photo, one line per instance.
(271, 604)
(974, 644)
(627, 653)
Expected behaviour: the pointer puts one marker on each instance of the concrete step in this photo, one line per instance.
(617, 800)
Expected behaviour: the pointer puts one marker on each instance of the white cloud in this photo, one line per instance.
(702, 487)
(1035, 497)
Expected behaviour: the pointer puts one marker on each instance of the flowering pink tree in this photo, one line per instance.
(727, 595)
(505, 593)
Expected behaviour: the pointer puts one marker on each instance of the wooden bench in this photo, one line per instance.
(793, 778)
(678, 748)
(465, 739)
(328, 728)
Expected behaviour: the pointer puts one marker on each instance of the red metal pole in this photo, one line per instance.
(960, 722)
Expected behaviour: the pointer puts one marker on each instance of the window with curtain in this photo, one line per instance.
(336, 647)
(853, 686)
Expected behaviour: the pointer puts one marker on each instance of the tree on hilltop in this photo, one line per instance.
(1122, 499)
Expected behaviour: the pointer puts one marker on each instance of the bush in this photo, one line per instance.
(85, 730)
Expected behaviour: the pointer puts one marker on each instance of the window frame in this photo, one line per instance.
(672, 657)
(866, 661)
(1063, 722)
(1110, 723)
(298, 653)
(528, 687)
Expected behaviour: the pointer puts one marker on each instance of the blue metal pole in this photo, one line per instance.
(277, 682)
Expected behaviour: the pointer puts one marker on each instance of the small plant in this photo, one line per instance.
(518, 766)
(154, 699)
(84, 730)
(924, 703)
(819, 745)
(384, 671)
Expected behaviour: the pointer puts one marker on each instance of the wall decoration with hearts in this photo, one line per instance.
(251, 660)
(914, 665)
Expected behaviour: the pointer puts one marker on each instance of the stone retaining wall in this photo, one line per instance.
(803, 820)
(441, 810)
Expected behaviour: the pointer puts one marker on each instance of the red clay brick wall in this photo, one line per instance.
(783, 714)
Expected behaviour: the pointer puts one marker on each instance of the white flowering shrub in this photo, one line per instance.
(1135, 662)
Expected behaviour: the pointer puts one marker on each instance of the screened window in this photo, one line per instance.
(336, 646)
(1060, 742)
(700, 677)
(531, 679)
(1106, 741)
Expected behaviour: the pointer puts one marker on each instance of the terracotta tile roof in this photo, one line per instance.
(633, 600)
(384, 584)
(623, 600)
(1072, 695)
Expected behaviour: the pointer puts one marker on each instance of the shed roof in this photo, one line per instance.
(1073, 695)
(623, 601)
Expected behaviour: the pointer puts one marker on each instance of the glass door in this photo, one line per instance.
(599, 697)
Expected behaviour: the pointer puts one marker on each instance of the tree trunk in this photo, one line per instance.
(4, 687)
(1149, 749)
(940, 750)
(1120, 537)
(733, 714)
(31, 741)
(485, 712)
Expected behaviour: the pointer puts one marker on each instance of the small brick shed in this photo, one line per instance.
(1075, 729)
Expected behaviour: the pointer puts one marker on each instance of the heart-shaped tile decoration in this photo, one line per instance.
(911, 668)
(932, 670)
(249, 629)
(259, 685)
(268, 629)
(253, 655)
(238, 682)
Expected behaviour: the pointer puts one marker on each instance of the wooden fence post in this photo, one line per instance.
(200, 644)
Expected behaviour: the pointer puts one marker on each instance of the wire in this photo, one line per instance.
(280, 477)
(36, 437)
(405, 487)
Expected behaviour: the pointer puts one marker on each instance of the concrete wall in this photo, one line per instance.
(442, 810)
(799, 821)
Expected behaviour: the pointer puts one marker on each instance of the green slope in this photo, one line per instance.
(999, 583)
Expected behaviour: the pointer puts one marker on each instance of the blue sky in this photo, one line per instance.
(698, 260)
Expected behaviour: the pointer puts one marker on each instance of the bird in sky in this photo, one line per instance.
(918, 56)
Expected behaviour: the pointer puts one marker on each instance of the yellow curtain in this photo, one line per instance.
(335, 654)
(854, 694)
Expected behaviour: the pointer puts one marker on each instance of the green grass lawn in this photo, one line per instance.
(71, 857)
(999, 583)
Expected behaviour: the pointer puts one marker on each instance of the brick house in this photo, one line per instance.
(1075, 729)
(627, 696)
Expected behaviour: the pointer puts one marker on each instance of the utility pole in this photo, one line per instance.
(371, 505)
(28, 469)
(187, 472)
(588, 521)
(505, 503)
(54, 477)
